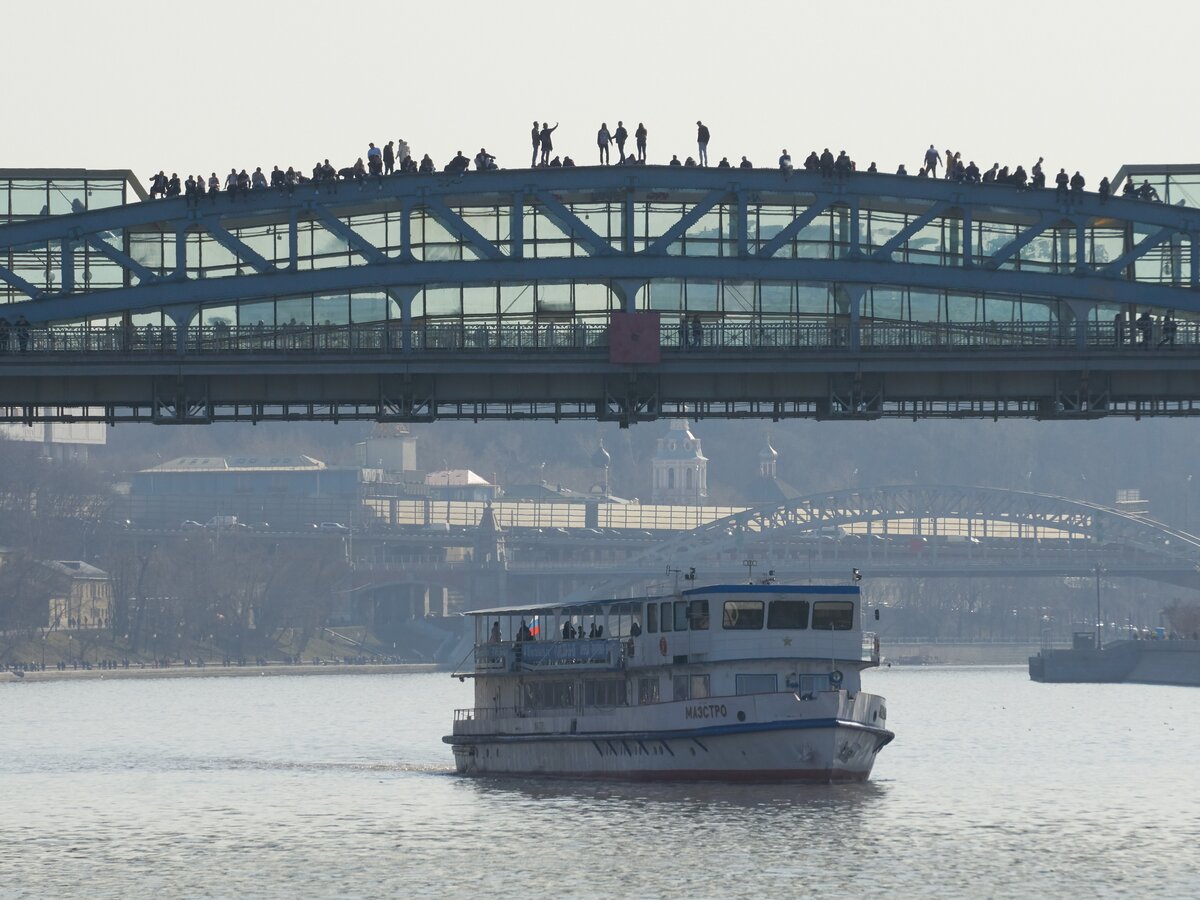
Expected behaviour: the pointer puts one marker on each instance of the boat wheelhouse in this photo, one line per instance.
(735, 681)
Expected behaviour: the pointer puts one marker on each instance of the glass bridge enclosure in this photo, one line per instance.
(477, 269)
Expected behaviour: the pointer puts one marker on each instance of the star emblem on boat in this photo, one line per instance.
(787, 642)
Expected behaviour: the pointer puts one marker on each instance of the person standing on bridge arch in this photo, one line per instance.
(546, 141)
(933, 159)
(536, 137)
(640, 137)
(620, 136)
(603, 140)
(702, 141)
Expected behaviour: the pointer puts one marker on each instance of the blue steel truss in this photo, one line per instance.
(905, 232)
(918, 274)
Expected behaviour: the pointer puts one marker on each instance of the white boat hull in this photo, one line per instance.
(795, 742)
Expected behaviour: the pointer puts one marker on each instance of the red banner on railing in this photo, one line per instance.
(633, 338)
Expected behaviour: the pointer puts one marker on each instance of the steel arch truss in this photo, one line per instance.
(929, 511)
(622, 227)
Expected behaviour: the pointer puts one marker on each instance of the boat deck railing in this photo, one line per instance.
(514, 656)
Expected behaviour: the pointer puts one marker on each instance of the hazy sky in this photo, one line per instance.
(145, 85)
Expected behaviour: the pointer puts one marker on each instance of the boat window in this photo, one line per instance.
(651, 618)
(756, 684)
(698, 615)
(742, 614)
(604, 693)
(647, 690)
(665, 620)
(788, 614)
(679, 686)
(549, 694)
(690, 687)
(833, 615)
(681, 615)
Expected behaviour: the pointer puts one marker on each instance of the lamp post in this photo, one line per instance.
(1099, 622)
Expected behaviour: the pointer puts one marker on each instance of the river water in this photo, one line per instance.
(341, 787)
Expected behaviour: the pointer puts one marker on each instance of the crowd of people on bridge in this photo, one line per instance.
(395, 158)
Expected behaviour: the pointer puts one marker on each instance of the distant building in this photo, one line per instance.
(459, 484)
(390, 448)
(281, 491)
(80, 595)
(768, 488)
(680, 468)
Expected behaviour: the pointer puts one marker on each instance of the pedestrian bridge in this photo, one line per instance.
(623, 293)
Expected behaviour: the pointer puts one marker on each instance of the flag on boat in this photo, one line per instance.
(535, 626)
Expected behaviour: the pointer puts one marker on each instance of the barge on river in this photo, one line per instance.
(726, 682)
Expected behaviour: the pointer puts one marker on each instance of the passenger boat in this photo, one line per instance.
(756, 682)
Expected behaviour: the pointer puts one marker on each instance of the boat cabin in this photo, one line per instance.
(720, 640)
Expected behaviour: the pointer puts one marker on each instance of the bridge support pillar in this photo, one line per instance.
(626, 290)
(182, 317)
(848, 302)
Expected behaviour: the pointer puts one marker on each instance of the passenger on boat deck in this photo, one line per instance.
(523, 633)
(495, 637)
(568, 631)
(635, 629)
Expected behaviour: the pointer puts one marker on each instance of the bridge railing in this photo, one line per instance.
(715, 336)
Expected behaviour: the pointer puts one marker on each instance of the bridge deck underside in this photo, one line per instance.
(567, 386)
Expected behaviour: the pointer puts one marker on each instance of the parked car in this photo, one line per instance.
(333, 528)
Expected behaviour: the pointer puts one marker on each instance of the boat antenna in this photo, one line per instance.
(749, 564)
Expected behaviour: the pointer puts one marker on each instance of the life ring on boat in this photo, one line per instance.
(662, 646)
(835, 677)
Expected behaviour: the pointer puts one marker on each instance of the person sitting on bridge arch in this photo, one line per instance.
(724, 163)
(231, 181)
(745, 164)
(785, 161)
(872, 169)
(843, 165)
(1147, 192)
(689, 163)
(1019, 178)
(827, 163)
(258, 181)
(1038, 176)
(990, 175)
(1105, 189)
(458, 165)
(971, 173)
(812, 162)
(568, 163)
(674, 161)
(1077, 184)
(426, 167)
(903, 171)
(556, 163)
(484, 161)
